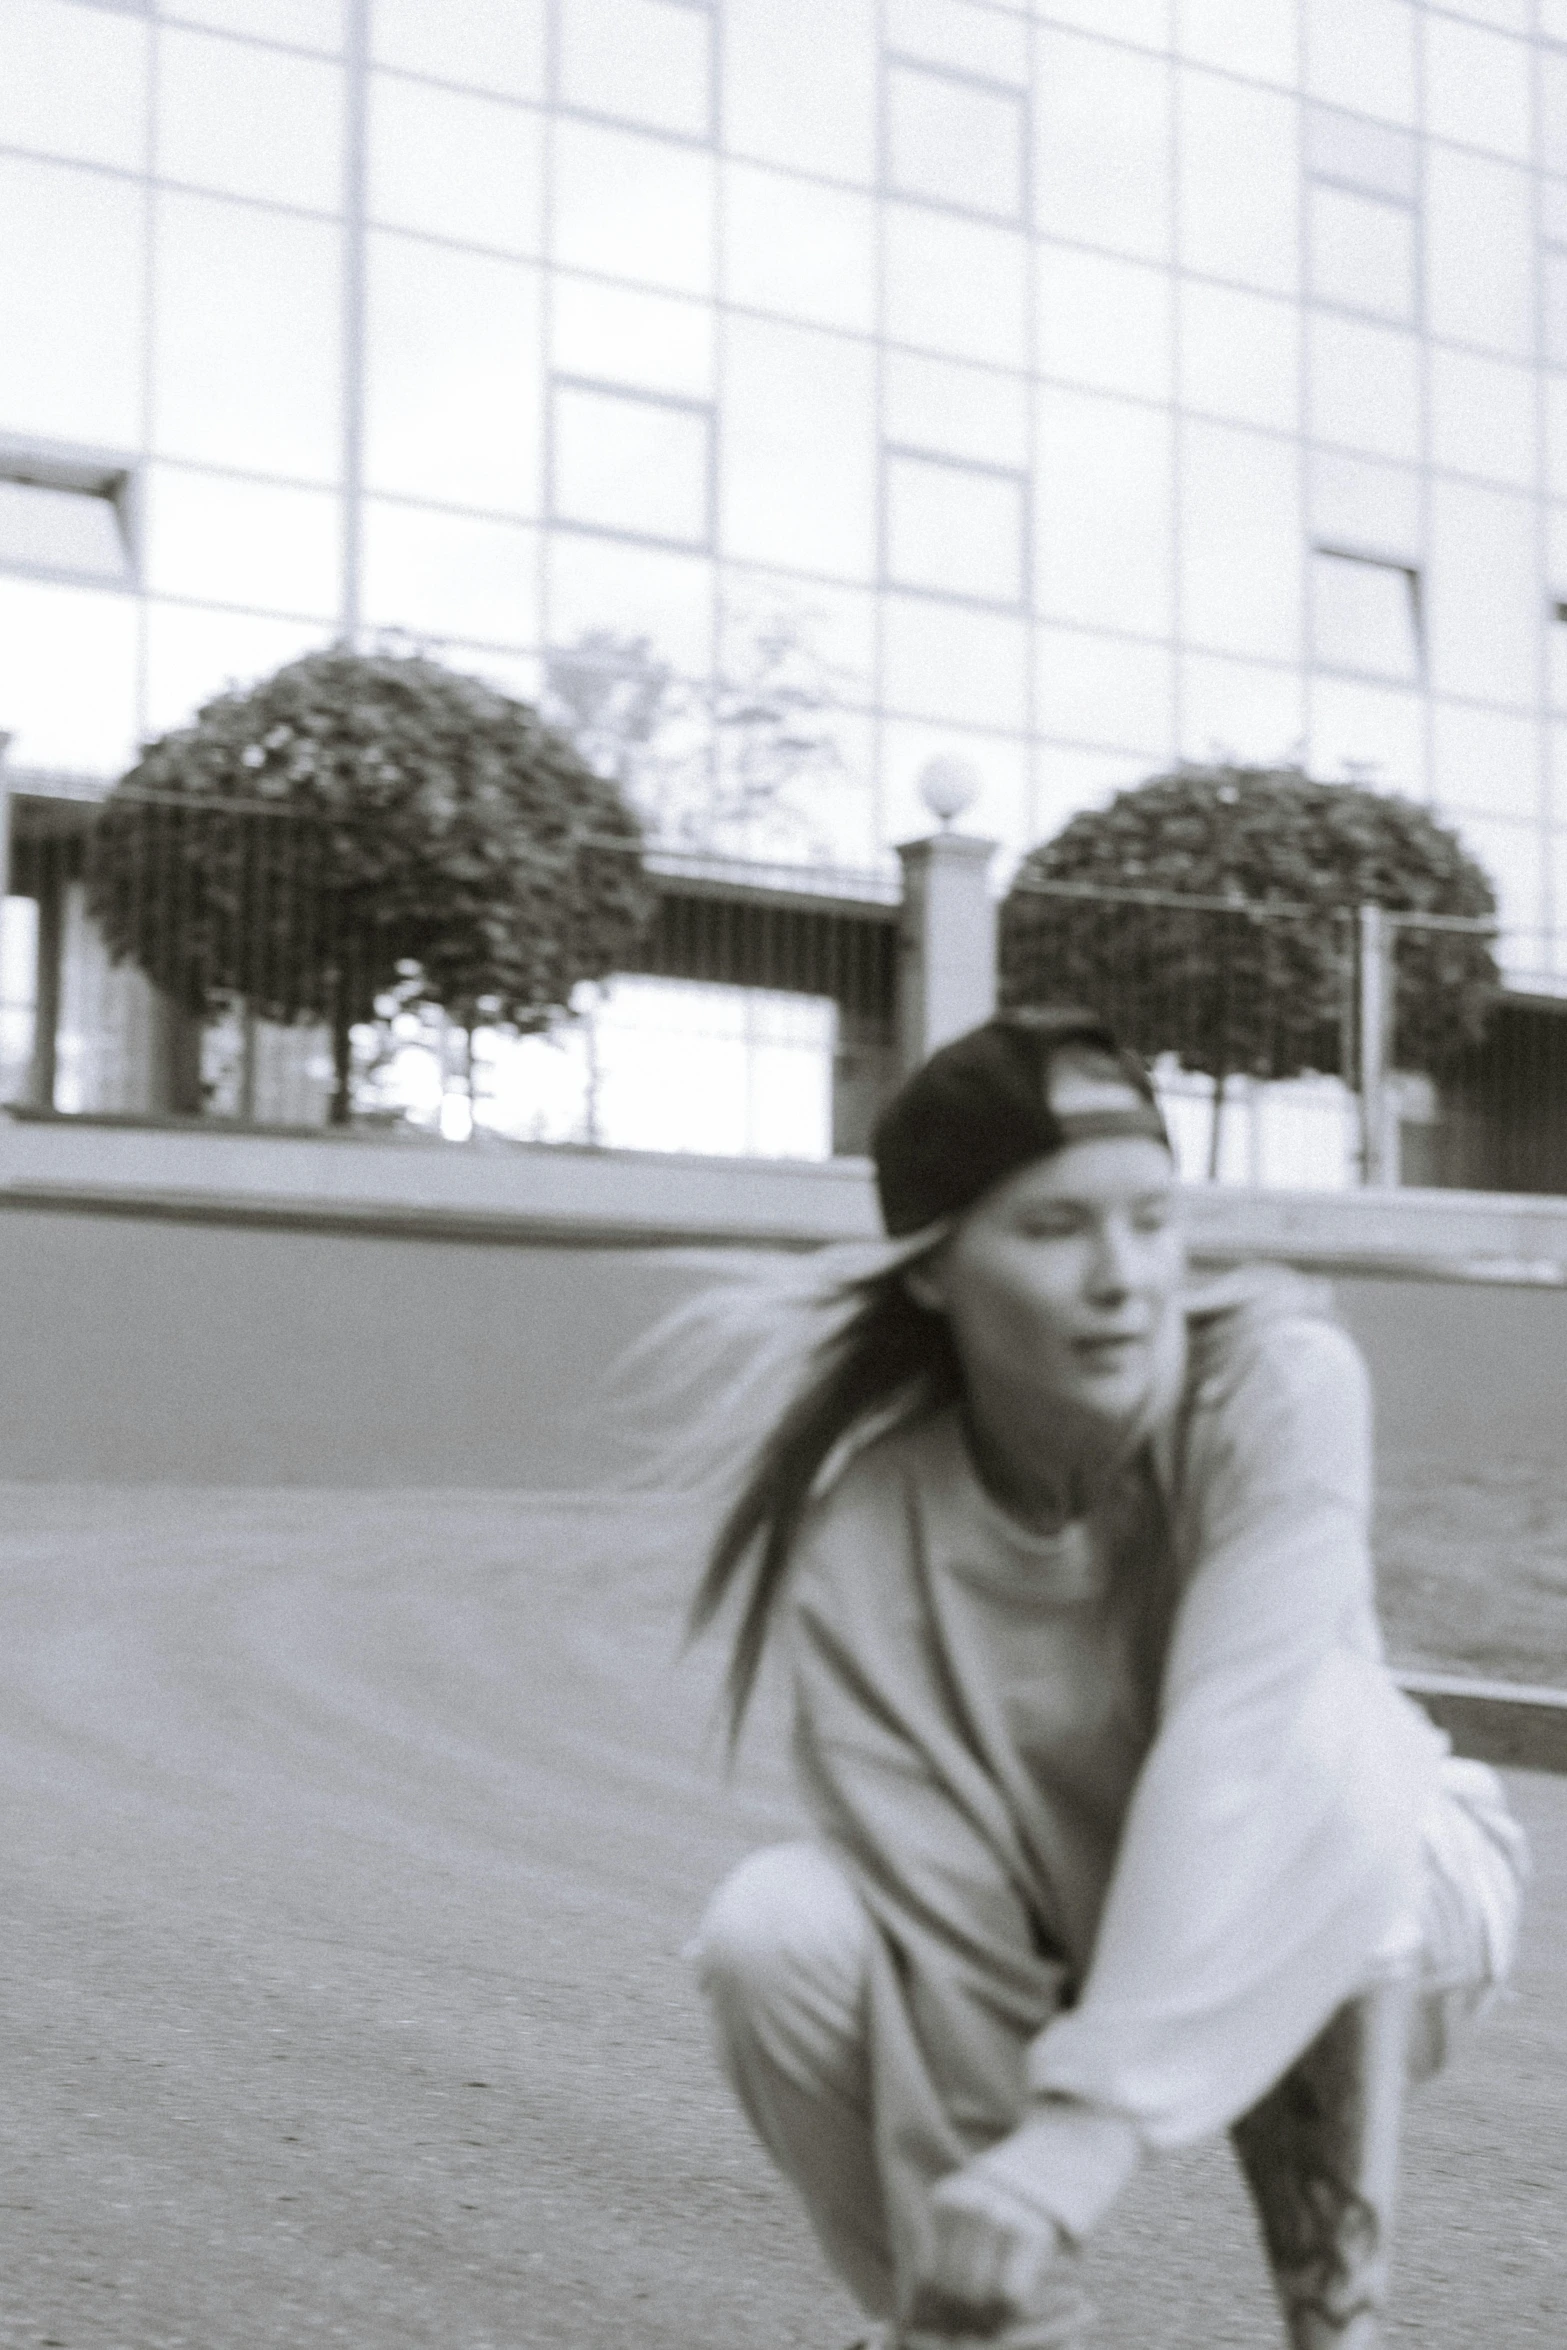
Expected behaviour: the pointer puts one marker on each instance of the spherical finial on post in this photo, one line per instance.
(949, 788)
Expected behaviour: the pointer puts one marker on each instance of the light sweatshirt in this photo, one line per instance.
(1141, 1801)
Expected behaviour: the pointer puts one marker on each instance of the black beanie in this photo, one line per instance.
(980, 1108)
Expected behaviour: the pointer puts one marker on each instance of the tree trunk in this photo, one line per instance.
(1216, 1126)
(175, 1071)
(342, 1064)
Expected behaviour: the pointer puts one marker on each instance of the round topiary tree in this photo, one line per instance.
(358, 823)
(1253, 975)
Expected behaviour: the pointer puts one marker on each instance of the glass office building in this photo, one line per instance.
(1083, 385)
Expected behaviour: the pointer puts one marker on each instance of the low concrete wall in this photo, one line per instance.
(199, 1307)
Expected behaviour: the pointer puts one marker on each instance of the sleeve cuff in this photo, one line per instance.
(1066, 2159)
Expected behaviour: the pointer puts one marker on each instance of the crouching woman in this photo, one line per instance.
(1123, 1833)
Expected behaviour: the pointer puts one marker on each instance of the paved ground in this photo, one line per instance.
(349, 1846)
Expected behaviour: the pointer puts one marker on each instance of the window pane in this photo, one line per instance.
(1240, 356)
(1477, 87)
(455, 166)
(243, 542)
(249, 121)
(495, 45)
(303, 24)
(962, 411)
(1554, 388)
(1556, 554)
(1553, 283)
(1240, 542)
(194, 654)
(48, 529)
(1553, 109)
(798, 446)
(1372, 733)
(1104, 689)
(951, 32)
(452, 394)
(627, 464)
(1257, 37)
(633, 591)
(1373, 509)
(617, 336)
(949, 661)
(1362, 253)
(955, 140)
(450, 575)
(1066, 780)
(648, 60)
(1508, 16)
(249, 328)
(1361, 154)
(955, 286)
(1240, 709)
(70, 305)
(1361, 54)
(68, 675)
(1102, 146)
(795, 247)
(686, 1067)
(954, 528)
(800, 85)
(820, 632)
(1482, 597)
(75, 83)
(1103, 513)
(1364, 616)
(1257, 134)
(1144, 21)
(18, 991)
(633, 207)
(1363, 386)
(1487, 760)
(1479, 252)
(1483, 417)
(1513, 857)
(1105, 323)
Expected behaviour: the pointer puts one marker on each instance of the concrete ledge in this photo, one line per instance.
(1500, 1722)
(532, 1192)
(1498, 1235)
(418, 1184)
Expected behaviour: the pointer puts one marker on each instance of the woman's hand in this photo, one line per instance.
(989, 2263)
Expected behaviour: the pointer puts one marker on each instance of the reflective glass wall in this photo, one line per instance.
(1067, 388)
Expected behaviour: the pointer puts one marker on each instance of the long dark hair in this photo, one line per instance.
(856, 1352)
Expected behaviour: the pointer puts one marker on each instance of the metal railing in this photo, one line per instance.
(189, 963)
(1308, 1043)
(169, 959)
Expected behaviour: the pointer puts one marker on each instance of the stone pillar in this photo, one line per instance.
(947, 942)
(1376, 981)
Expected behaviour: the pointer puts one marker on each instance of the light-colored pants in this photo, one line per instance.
(784, 1955)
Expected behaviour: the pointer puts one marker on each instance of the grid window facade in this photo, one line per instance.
(995, 355)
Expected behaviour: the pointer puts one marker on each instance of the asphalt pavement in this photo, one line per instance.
(350, 1844)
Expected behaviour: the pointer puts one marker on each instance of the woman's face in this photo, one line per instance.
(1059, 1280)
